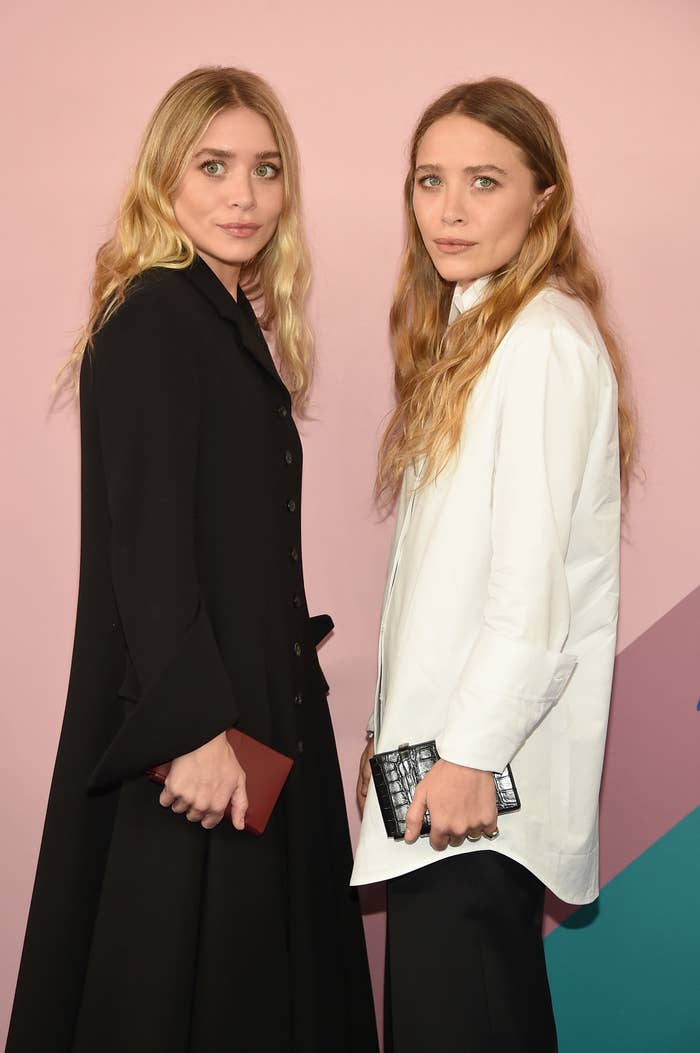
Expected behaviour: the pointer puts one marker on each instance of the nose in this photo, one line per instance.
(453, 211)
(240, 192)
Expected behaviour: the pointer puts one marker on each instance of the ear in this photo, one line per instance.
(542, 199)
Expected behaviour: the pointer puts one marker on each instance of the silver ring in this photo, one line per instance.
(493, 836)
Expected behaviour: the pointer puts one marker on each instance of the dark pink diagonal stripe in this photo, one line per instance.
(651, 778)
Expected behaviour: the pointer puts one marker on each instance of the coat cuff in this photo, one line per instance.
(190, 703)
(321, 626)
(506, 689)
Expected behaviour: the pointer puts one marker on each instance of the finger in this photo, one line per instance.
(415, 816)
(166, 798)
(457, 841)
(193, 815)
(474, 833)
(438, 840)
(212, 819)
(239, 805)
(491, 832)
(179, 806)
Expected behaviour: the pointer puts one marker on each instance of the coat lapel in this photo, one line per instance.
(239, 312)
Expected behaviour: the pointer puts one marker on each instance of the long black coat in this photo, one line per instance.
(148, 934)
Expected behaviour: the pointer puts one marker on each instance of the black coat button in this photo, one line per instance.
(282, 410)
(291, 505)
(300, 747)
(294, 553)
(297, 649)
(298, 699)
(296, 600)
(288, 457)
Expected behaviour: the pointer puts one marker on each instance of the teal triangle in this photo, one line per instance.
(624, 971)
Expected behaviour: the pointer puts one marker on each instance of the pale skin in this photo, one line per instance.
(228, 202)
(474, 199)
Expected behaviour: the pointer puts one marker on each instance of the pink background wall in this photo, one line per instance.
(78, 82)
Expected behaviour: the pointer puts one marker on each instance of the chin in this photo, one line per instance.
(453, 270)
(234, 257)
(456, 274)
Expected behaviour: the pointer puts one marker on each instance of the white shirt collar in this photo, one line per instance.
(464, 299)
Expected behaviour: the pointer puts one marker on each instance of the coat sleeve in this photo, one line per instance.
(518, 668)
(147, 397)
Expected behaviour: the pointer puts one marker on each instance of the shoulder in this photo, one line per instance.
(553, 351)
(554, 331)
(156, 295)
(156, 321)
(555, 323)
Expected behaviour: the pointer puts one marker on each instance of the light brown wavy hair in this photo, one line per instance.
(437, 367)
(147, 233)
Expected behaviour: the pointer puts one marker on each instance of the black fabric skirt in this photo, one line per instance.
(267, 957)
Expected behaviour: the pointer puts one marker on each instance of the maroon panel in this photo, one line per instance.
(651, 778)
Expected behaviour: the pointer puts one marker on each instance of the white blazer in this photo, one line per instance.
(499, 619)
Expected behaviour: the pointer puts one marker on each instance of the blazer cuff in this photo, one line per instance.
(506, 689)
(190, 703)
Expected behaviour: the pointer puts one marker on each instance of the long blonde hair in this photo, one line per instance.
(147, 234)
(436, 367)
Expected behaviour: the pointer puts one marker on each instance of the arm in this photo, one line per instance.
(517, 669)
(147, 397)
(365, 773)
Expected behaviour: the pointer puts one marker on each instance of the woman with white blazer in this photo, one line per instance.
(508, 450)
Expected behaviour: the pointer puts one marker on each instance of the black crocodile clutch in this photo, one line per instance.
(396, 774)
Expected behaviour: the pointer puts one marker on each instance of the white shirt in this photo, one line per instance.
(499, 620)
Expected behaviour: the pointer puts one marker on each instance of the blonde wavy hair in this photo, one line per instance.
(148, 235)
(437, 367)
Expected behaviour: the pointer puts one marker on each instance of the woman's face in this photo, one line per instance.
(474, 198)
(230, 198)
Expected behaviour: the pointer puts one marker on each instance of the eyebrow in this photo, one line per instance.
(469, 170)
(213, 151)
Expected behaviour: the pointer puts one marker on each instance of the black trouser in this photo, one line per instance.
(465, 961)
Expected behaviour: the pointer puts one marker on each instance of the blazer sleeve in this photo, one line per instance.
(148, 404)
(518, 668)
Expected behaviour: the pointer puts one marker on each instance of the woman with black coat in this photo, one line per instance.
(157, 925)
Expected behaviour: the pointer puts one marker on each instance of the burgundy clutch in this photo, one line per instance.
(266, 772)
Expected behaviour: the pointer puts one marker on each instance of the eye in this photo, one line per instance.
(429, 182)
(266, 171)
(213, 168)
(484, 182)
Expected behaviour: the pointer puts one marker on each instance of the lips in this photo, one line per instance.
(239, 230)
(455, 243)
(454, 246)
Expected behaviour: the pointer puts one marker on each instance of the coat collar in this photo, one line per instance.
(238, 311)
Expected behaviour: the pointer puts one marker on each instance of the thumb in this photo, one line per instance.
(239, 804)
(416, 814)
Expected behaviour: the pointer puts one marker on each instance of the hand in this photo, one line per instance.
(365, 775)
(461, 801)
(202, 783)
